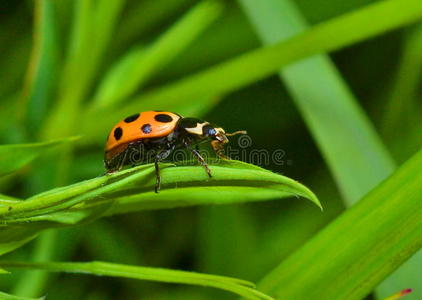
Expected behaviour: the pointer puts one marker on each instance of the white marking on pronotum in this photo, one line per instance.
(197, 129)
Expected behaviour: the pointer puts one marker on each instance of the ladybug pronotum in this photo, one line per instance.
(159, 133)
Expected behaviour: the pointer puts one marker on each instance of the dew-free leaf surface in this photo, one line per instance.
(133, 190)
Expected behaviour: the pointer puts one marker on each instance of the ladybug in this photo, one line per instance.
(153, 135)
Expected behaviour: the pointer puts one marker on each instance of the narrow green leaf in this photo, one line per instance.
(15, 50)
(8, 199)
(31, 284)
(133, 189)
(135, 69)
(223, 42)
(72, 83)
(144, 16)
(400, 121)
(354, 253)
(13, 237)
(42, 70)
(236, 73)
(93, 28)
(14, 157)
(237, 286)
(121, 72)
(5, 296)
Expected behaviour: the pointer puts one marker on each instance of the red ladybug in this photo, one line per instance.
(157, 134)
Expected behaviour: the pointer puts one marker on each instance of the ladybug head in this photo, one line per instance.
(219, 137)
(207, 131)
(218, 133)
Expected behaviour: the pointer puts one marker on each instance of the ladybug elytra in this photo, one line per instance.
(153, 135)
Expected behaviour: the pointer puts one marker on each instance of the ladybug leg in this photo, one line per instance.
(218, 148)
(157, 175)
(120, 163)
(200, 158)
(160, 156)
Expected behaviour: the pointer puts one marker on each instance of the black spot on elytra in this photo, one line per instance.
(146, 128)
(118, 132)
(163, 118)
(131, 118)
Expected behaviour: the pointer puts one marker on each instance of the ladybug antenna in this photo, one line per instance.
(236, 132)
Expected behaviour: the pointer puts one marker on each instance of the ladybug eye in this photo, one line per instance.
(209, 131)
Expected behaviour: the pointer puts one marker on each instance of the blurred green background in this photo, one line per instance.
(72, 67)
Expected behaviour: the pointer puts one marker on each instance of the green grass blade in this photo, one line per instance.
(142, 17)
(236, 73)
(122, 72)
(402, 109)
(7, 198)
(354, 253)
(223, 42)
(94, 25)
(75, 68)
(140, 65)
(133, 189)
(42, 69)
(14, 157)
(5, 296)
(31, 284)
(237, 286)
(13, 237)
(15, 50)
